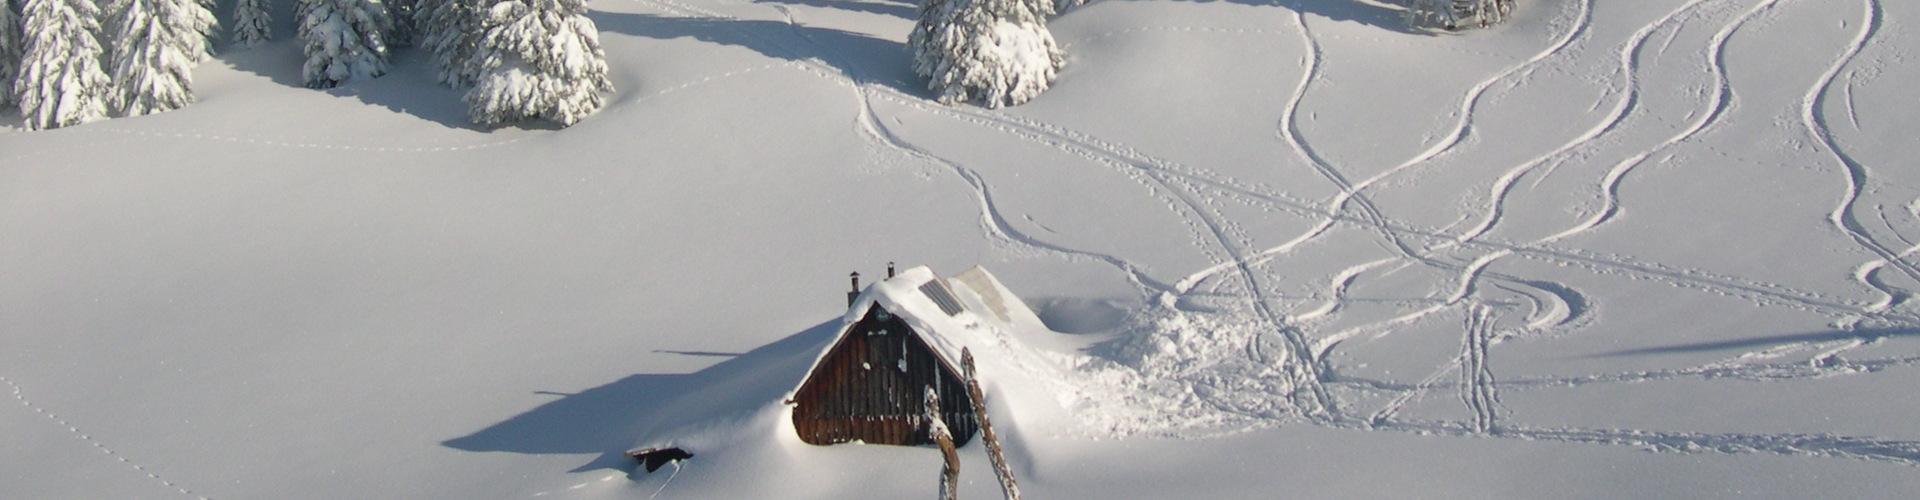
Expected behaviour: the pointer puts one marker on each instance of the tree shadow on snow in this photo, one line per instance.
(608, 420)
(904, 9)
(1384, 14)
(1865, 335)
(858, 55)
(278, 61)
(409, 87)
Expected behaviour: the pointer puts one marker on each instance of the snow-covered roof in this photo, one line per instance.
(949, 314)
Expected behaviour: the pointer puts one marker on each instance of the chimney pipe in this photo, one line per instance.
(889, 270)
(855, 293)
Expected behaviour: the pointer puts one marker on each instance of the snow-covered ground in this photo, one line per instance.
(1622, 248)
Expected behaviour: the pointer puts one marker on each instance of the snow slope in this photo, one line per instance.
(1647, 248)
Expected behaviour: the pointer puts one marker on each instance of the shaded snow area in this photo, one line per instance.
(1624, 248)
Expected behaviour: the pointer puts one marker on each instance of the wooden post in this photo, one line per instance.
(950, 471)
(1000, 467)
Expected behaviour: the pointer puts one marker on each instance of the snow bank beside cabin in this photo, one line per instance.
(734, 409)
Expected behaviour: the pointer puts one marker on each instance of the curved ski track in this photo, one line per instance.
(1719, 102)
(1857, 174)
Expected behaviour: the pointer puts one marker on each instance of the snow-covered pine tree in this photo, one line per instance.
(448, 28)
(542, 60)
(422, 12)
(156, 43)
(1060, 6)
(403, 34)
(251, 23)
(345, 40)
(60, 81)
(1457, 14)
(995, 52)
(11, 46)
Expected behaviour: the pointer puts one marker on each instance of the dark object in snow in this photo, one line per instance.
(653, 458)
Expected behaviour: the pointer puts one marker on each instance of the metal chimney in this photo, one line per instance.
(855, 292)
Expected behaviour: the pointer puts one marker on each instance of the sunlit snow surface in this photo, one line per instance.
(1642, 248)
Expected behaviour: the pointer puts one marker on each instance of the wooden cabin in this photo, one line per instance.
(869, 387)
(900, 337)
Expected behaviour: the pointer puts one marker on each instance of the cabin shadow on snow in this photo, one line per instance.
(608, 420)
(862, 57)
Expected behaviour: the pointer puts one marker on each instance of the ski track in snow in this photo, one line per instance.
(1628, 101)
(1857, 174)
(1719, 103)
(1064, 45)
(1477, 387)
(1351, 192)
(1312, 353)
(1079, 144)
(1559, 311)
(20, 395)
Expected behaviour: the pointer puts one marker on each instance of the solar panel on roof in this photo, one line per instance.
(982, 286)
(941, 297)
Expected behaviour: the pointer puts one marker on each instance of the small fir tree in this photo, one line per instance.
(447, 29)
(60, 81)
(11, 47)
(1457, 14)
(345, 40)
(156, 45)
(403, 33)
(542, 60)
(994, 52)
(251, 23)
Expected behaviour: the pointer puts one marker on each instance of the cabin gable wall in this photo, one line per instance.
(870, 386)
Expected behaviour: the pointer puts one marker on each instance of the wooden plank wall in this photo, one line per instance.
(870, 386)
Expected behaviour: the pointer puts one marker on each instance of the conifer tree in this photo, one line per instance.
(1457, 14)
(156, 43)
(994, 52)
(11, 46)
(345, 40)
(251, 23)
(403, 33)
(541, 60)
(60, 81)
(448, 29)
